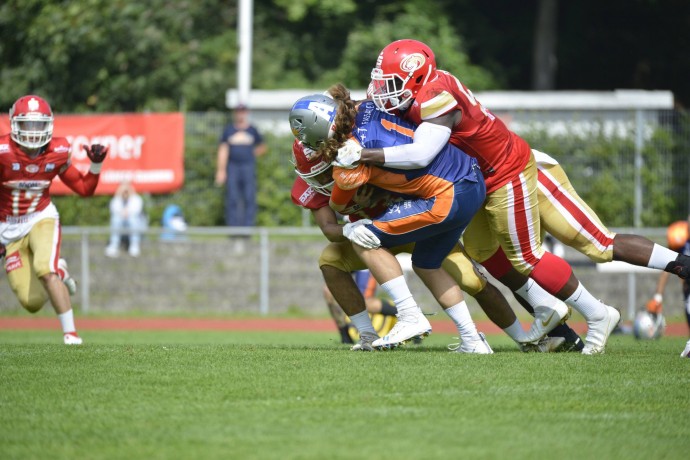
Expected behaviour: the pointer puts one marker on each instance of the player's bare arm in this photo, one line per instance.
(327, 221)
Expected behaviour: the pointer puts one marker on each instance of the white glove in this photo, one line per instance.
(349, 154)
(359, 234)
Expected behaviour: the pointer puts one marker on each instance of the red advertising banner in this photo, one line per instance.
(145, 149)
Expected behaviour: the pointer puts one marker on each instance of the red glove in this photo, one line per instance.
(96, 152)
(654, 304)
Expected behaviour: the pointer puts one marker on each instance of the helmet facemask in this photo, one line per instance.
(388, 91)
(315, 171)
(31, 131)
(402, 69)
(320, 178)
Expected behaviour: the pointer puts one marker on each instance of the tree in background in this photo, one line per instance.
(165, 55)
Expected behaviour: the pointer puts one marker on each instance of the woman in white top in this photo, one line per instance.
(126, 212)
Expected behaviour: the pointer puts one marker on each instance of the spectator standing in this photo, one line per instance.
(126, 216)
(239, 146)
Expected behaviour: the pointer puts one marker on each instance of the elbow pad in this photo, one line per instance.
(429, 139)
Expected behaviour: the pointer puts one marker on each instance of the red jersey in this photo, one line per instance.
(25, 182)
(367, 203)
(501, 153)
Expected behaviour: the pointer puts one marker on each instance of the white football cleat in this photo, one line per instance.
(686, 351)
(598, 332)
(408, 326)
(365, 342)
(545, 319)
(71, 338)
(545, 345)
(70, 282)
(478, 346)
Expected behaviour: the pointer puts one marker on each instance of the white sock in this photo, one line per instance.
(661, 257)
(536, 295)
(400, 294)
(67, 321)
(586, 304)
(460, 315)
(515, 332)
(362, 322)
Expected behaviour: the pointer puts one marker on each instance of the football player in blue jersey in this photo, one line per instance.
(443, 197)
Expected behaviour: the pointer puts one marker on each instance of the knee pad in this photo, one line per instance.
(462, 269)
(32, 300)
(341, 256)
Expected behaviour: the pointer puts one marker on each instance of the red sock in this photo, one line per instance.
(498, 264)
(551, 273)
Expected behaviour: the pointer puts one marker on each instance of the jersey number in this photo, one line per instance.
(473, 100)
(35, 197)
(390, 126)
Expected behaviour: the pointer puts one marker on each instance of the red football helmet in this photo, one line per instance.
(312, 168)
(402, 68)
(31, 122)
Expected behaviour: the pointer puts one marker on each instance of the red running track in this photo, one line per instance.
(258, 324)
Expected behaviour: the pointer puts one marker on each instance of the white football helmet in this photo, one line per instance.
(31, 122)
(648, 325)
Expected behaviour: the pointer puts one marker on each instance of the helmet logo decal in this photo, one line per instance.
(33, 105)
(310, 154)
(412, 62)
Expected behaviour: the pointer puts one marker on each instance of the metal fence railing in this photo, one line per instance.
(275, 271)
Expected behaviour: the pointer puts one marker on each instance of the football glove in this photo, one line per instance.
(349, 154)
(96, 152)
(359, 234)
(654, 304)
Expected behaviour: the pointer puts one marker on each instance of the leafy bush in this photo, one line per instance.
(600, 166)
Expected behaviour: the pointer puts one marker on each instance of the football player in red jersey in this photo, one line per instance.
(312, 189)
(30, 158)
(310, 119)
(406, 79)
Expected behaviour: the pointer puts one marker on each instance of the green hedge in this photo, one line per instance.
(600, 166)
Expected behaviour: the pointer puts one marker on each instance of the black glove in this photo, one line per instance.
(96, 152)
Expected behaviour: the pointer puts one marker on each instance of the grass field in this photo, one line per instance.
(301, 395)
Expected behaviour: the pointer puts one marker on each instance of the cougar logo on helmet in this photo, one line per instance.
(412, 62)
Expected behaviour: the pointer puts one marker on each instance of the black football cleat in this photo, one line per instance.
(680, 267)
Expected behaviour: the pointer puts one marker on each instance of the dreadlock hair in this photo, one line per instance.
(344, 122)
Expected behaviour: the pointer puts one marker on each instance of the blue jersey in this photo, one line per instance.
(377, 129)
(442, 197)
(242, 143)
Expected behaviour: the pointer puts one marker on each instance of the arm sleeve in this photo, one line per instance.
(340, 197)
(429, 139)
(83, 185)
